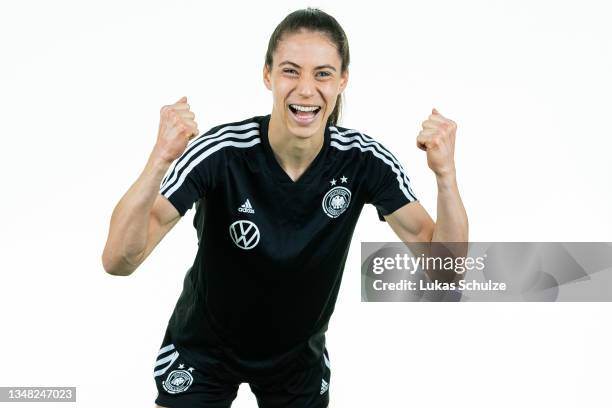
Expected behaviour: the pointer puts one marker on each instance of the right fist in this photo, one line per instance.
(176, 128)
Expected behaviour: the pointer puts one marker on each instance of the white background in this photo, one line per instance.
(529, 85)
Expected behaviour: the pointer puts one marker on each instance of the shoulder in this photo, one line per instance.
(210, 152)
(359, 145)
(237, 126)
(244, 130)
(225, 138)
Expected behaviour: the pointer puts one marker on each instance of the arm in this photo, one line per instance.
(411, 222)
(139, 222)
(451, 220)
(143, 216)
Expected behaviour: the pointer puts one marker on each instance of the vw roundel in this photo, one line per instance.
(244, 233)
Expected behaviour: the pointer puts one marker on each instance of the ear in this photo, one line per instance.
(266, 77)
(344, 80)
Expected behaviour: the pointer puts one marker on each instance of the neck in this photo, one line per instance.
(293, 153)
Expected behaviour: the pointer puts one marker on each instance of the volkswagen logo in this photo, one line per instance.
(244, 233)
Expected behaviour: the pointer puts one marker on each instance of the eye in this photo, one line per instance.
(323, 74)
(290, 71)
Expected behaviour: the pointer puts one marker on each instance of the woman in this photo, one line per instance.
(277, 199)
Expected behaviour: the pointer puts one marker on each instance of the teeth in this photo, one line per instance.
(304, 108)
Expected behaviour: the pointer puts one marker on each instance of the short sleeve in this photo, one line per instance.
(388, 184)
(189, 176)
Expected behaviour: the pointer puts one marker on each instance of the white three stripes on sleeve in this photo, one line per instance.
(198, 141)
(354, 141)
(201, 150)
(350, 135)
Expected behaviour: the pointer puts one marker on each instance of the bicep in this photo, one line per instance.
(411, 223)
(164, 216)
(164, 212)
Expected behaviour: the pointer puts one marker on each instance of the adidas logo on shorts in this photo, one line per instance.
(246, 207)
(324, 386)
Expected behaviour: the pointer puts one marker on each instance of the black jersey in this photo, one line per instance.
(271, 251)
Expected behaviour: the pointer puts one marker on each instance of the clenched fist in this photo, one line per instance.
(438, 139)
(176, 128)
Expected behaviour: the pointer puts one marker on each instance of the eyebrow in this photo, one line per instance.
(297, 66)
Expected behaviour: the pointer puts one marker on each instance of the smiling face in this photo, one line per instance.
(305, 80)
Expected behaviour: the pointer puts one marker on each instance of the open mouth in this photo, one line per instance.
(304, 114)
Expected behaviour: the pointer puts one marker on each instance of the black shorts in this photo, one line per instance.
(208, 383)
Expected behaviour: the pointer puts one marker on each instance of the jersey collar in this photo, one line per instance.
(275, 168)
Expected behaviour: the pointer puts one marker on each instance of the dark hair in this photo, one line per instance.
(313, 19)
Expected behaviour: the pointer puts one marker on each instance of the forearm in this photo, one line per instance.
(451, 220)
(129, 226)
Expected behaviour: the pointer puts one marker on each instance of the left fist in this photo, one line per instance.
(438, 139)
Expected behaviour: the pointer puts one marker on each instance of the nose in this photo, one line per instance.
(306, 87)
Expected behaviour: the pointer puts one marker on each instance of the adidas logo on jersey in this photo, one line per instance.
(246, 207)
(324, 386)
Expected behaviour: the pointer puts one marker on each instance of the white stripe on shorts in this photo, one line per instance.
(326, 360)
(164, 349)
(170, 359)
